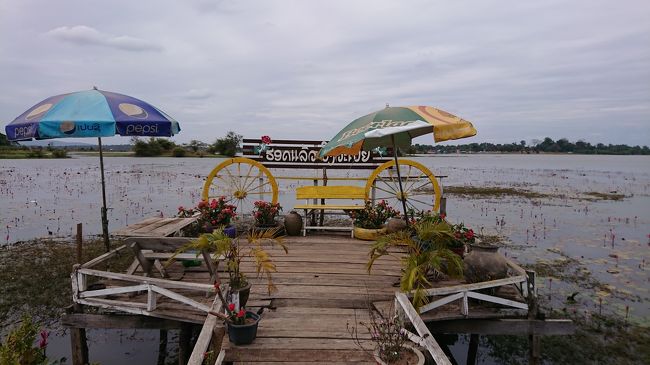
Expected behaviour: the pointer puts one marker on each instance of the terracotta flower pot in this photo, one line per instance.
(484, 263)
(368, 234)
(293, 223)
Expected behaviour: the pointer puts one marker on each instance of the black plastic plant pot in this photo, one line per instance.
(244, 334)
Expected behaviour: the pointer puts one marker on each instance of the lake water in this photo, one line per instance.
(606, 241)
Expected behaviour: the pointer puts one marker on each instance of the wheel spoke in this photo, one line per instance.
(387, 191)
(395, 189)
(252, 180)
(232, 178)
(420, 201)
(245, 183)
(260, 186)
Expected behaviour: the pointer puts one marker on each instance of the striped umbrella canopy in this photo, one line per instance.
(396, 126)
(92, 113)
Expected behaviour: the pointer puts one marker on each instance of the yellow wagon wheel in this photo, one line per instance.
(243, 182)
(421, 189)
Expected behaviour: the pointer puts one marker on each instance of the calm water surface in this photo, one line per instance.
(609, 240)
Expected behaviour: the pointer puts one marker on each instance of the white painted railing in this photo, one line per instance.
(524, 282)
(424, 337)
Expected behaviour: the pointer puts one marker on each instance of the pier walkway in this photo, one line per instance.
(323, 287)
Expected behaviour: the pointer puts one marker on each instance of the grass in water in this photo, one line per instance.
(605, 196)
(494, 191)
(35, 277)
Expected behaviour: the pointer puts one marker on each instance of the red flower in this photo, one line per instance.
(214, 222)
(443, 216)
(43, 342)
(216, 285)
(266, 139)
(241, 313)
(231, 307)
(469, 234)
(180, 209)
(213, 204)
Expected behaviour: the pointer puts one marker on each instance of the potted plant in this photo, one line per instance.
(425, 256)
(463, 237)
(213, 214)
(369, 222)
(265, 214)
(232, 251)
(391, 344)
(241, 324)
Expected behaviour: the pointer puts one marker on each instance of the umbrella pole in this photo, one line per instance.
(399, 179)
(104, 212)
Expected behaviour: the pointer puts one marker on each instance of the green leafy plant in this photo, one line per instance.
(373, 216)
(233, 250)
(425, 256)
(18, 348)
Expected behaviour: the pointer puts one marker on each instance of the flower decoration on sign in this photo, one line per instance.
(381, 151)
(266, 141)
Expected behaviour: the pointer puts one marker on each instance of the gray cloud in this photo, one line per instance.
(84, 35)
(297, 69)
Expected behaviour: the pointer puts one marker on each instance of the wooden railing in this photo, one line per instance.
(153, 286)
(523, 281)
(424, 338)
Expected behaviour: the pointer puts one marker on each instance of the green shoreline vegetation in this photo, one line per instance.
(229, 145)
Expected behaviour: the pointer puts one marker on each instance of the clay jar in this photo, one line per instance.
(484, 263)
(395, 225)
(293, 223)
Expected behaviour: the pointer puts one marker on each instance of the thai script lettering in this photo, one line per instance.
(311, 156)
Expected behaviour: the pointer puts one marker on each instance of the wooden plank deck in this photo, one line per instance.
(322, 287)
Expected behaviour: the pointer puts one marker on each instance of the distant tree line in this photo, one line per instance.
(548, 145)
(227, 146)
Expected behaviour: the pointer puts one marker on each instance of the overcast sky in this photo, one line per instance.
(519, 70)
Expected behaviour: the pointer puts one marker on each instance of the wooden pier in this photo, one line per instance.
(322, 288)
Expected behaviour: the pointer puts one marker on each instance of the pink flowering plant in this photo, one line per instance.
(211, 214)
(373, 216)
(266, 212)
(19, 345)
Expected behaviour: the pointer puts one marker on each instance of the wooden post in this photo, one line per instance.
(534, 350)
(78, 344)
(473, 349)
(322, 201)
(443, 205)
(184, 343)
(162, 347)
(79, 241)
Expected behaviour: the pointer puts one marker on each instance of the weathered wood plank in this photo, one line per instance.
(147, 280)
(103, 257)
(203, 341)
(429, 342)
(475, 286)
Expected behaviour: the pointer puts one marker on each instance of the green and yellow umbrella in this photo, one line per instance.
(396, 127)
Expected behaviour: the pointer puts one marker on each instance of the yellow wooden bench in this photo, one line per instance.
(339, 192)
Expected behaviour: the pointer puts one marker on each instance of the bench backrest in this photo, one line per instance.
(330, 192)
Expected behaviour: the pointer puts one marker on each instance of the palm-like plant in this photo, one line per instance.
(233, 250)
(426, 258)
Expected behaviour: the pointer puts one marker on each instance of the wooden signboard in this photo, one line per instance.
(304, 155)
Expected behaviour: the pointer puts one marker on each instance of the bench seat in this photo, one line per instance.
(337, 192)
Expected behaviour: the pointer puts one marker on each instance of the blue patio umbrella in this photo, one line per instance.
(92, 113)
